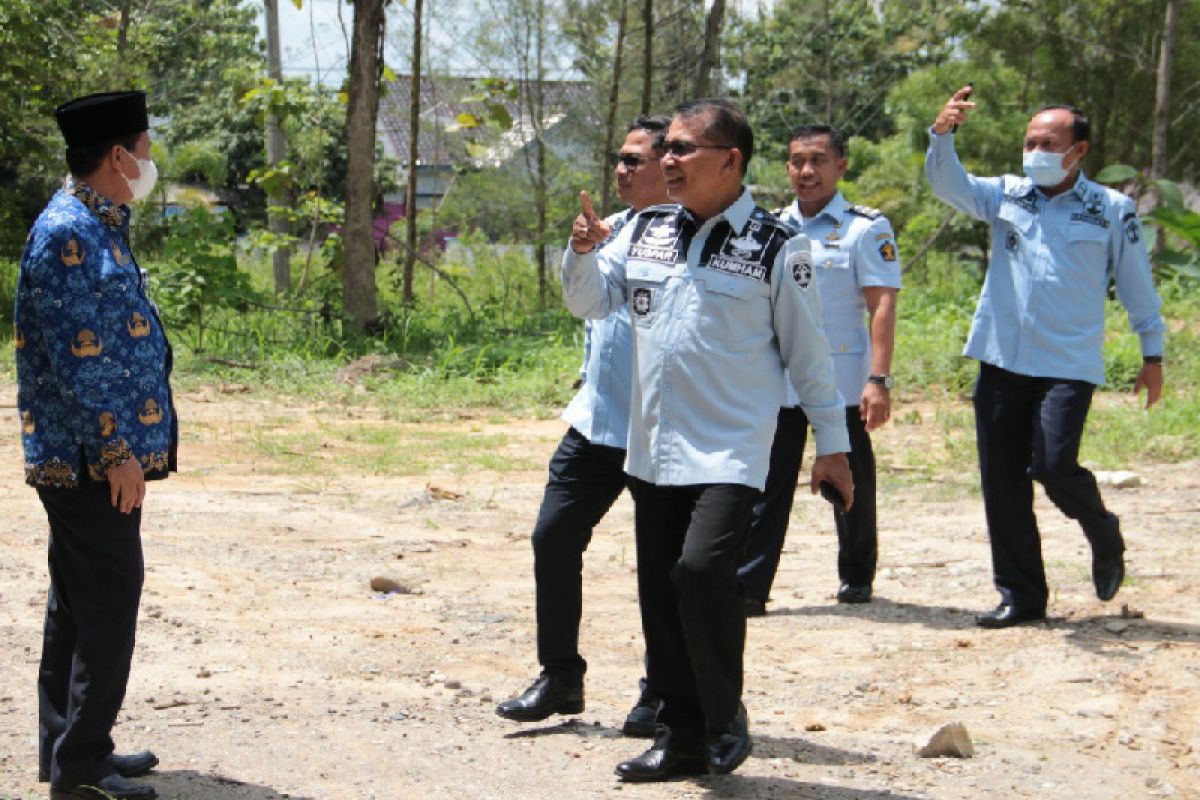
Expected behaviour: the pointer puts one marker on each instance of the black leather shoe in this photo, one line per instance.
(1005, 616)
(133, 765)
(755, 608)
(110, 787)
(727, 749)
(1107, 574)
(548, 695)
(663, 761)
(853, 594)
(643, 717)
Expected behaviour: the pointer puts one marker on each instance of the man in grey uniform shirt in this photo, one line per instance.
(1058, 241)
(858, 272)
(722, 299)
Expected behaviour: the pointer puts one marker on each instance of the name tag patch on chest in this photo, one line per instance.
(658, 242)
(1090, 219)
(744, 255)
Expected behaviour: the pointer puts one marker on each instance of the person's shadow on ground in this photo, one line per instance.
(186, 784)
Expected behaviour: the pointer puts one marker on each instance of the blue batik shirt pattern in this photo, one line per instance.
(93, 362)
(600, 409)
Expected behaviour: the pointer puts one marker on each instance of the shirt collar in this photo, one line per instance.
(1081, 186)
(112, 215)
(835, 209)
(738, 214)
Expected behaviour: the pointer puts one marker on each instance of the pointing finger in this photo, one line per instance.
(586, 202)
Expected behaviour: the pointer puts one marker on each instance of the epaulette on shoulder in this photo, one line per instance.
(864, 211)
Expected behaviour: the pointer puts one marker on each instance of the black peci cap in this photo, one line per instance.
(100, 118)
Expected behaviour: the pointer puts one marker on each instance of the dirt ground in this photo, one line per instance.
(267, 668)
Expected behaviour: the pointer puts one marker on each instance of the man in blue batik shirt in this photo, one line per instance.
(1057, 241)
(587, 471)
(97, 422)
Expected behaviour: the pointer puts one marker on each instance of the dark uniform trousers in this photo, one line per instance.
(689, 540)
(1029, 429)
(96, 573)
(858, 547)
(585, 480)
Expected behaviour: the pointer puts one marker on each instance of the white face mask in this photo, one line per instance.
(1046, 169)
(143, 184)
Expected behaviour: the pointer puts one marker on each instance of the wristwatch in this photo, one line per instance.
(886, 381)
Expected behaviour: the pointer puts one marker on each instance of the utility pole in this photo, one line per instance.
(281, 259)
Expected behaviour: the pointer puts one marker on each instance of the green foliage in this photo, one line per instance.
(815, 61)
(202, 272)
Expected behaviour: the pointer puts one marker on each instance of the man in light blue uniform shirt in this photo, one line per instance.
(722, 299)
(1057, 240)
(858, 272)
(587, 471)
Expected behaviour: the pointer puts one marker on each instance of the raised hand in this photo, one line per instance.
(588, 230)
(954, 112)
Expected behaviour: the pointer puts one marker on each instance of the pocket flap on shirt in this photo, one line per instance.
(1080, 231)
(1021, 219)
(648, 271)
(743, 288)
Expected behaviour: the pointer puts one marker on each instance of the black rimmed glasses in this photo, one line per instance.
(679, 149)
(631, 161)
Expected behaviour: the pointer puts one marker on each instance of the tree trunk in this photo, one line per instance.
(358, 272)
(647, 52)
(712, 47)
(414, 133)
(542, 188)
(281, 259)
(1162, 92)
(610, 124)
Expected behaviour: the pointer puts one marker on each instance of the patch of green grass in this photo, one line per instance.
(389, 450)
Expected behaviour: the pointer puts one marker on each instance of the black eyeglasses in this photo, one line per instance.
(630, 160)
(674, 147)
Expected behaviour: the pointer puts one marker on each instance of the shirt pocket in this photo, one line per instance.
(736, 312)
(647, 283)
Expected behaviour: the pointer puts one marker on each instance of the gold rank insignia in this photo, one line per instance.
(86, 344)
(18, 338)
(71, 254)
(833, 236)
(27, 423)
(138, 326)
(121, 257)
(888, 251)
(151, 413)
(108, 424)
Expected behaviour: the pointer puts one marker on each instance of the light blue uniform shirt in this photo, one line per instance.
(1041, 311)
(600, 409)
(853, 248)
(718, 310)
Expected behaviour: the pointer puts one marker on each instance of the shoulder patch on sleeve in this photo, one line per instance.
(1133, 228)
(800, 264)
(887, 251)
(864, 211)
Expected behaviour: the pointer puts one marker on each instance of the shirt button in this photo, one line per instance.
(829, 262)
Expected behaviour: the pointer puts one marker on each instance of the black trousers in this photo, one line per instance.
(1029, 429)
(585, 480)
(858, 543)
(96, 572)
(689, 540)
